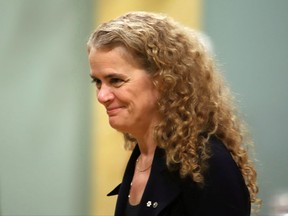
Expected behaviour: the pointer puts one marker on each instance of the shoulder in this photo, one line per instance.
(222, 170)
(225, 188)
(224, 192)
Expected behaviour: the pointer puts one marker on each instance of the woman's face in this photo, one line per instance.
(125, 89)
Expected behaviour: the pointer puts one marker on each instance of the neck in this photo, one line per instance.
(145, 140)
(147, 144)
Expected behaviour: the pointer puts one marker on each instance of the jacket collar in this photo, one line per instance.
(162, 187)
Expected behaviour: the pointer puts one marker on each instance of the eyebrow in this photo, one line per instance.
(108, 76)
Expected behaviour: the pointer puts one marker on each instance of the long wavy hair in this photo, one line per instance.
(195, 102)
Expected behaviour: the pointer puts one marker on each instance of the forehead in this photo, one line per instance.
(113, 55)
(116, 61)
(117, 49)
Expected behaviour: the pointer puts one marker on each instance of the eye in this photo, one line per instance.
(116, 82)
(97, 82)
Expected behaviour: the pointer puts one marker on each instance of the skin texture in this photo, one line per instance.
(126, 90)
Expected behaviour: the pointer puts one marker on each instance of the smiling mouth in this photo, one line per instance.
(113, 111)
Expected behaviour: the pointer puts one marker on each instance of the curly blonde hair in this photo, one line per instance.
(194, 101)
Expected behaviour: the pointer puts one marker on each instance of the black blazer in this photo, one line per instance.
(224, 193)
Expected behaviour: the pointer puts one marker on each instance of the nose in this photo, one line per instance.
(104, 94)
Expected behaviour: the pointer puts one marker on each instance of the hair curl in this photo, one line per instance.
(194, 98)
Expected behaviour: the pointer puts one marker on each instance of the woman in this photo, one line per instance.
(161, 89)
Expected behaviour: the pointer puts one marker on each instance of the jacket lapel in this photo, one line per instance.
(123, 189)
(162, 187)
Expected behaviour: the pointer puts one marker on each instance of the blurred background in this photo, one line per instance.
(55, 143)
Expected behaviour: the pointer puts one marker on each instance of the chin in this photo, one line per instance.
(120, 127)
(117, 126)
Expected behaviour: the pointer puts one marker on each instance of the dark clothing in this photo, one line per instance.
(131, 210)
(166, 194)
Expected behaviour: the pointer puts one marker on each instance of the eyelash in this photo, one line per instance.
(97, 82)
(116, 82)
